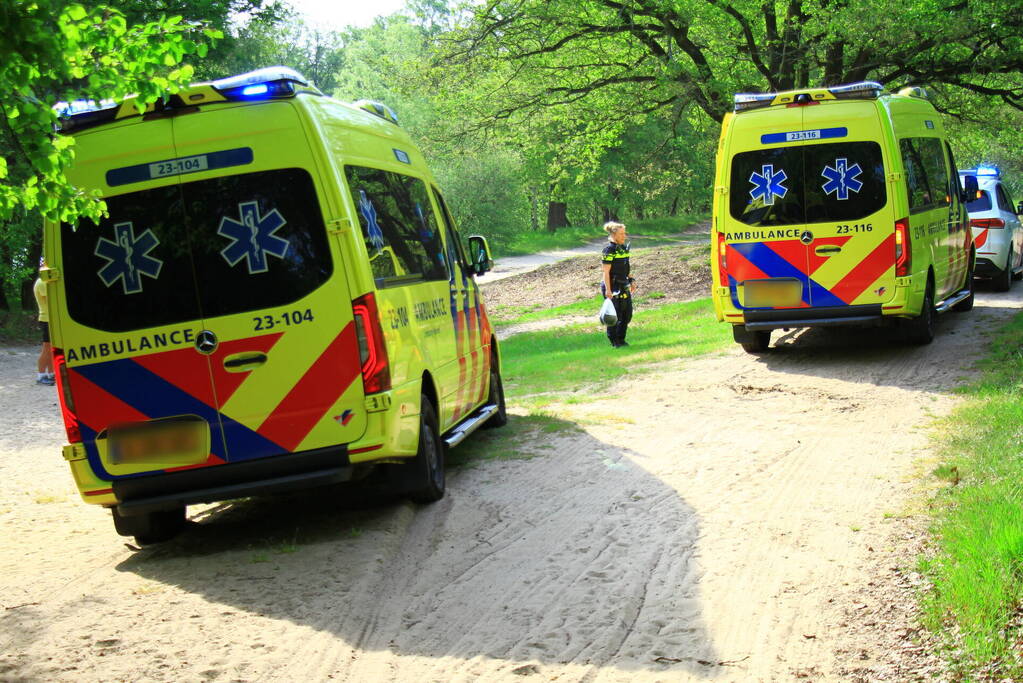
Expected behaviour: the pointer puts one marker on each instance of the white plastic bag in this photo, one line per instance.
(607, 315)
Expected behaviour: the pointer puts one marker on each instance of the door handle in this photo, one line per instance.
(827, 250)
(243, 362)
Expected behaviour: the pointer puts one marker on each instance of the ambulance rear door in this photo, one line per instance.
(808, 222)
(278, 314)
(128, 314)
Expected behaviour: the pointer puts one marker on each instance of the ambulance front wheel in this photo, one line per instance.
(428, 465)
(150, 527)
(496, 397)
(751, 342)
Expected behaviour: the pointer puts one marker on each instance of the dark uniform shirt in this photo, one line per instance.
(618, 256)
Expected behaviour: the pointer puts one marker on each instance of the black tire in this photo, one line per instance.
(920, 330)
(428, 465)
(967, 303)
(759, 342)
(496, 395)
(150, 527)
(1003, 281)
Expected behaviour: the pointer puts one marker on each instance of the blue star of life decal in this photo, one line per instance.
(768, 184)
(369, 214)
(128, 258)
(842, 179)
(253, 237)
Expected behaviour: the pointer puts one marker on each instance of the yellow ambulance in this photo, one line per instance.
(837, 206)
(279, 298)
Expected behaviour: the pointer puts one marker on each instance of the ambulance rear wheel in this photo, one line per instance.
(920, 330)
(496, 397)
(428, 465)
(757, 342)
(150, 527)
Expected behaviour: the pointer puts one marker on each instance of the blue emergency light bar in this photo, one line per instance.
(983, 172)
(756, 100)
(273, 82)
(262, 84)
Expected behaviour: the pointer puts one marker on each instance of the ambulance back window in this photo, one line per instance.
(839, 181)
(204, 249)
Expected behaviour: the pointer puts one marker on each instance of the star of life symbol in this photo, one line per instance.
(369, 214)
(842, 179)
(768, 184)
(253, 237)
(128, 258)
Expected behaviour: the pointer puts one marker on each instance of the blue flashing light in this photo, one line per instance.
(988, 171)
(253, 90)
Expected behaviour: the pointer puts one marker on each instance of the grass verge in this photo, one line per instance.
(533, 242)
(977, 572)
(567, 358)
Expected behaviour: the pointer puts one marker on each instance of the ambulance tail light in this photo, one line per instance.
(902, 247)
(722, 259)
(67, 402)
(376, 371)
(987, 223)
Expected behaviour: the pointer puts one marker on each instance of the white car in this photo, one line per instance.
(997, 234)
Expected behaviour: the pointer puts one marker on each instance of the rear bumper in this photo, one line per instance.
(139, 495)
(838, 316)
(985, 267)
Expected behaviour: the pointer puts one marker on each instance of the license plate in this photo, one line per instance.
(774, 293)
(171, 442)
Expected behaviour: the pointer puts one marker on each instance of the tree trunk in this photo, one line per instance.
(609, 214)
(534, 210)
(557, 216)
(673, 211)
(640, 215)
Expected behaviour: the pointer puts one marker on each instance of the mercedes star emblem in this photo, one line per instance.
(206, 342)
(806, 237)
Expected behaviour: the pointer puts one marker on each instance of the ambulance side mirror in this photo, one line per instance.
(479, 254)
(970, 188)
(1019, 209)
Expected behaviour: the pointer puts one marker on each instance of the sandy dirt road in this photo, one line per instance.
(714, 520)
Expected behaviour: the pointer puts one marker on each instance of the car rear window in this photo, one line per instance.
(842, 181)
(981, 203)
(197, 250)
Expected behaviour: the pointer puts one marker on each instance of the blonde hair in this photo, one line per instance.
(611, 226)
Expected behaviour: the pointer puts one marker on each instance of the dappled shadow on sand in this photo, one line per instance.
(575, 557)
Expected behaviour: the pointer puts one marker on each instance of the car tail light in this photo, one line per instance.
(987, 223)
(67, 401)
(376, 372)
(903, 248)
(722, 259)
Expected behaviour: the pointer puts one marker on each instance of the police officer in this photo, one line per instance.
(617, 285)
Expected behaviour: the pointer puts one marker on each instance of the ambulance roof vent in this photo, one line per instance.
(915, 91)
(377, 109)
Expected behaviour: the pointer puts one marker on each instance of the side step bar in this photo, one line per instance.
(952, 301)
(469, 425)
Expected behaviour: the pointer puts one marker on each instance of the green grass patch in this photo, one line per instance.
(582, 307)
(977, 572)
(588, 306)
(567, 358)
(566, 238)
